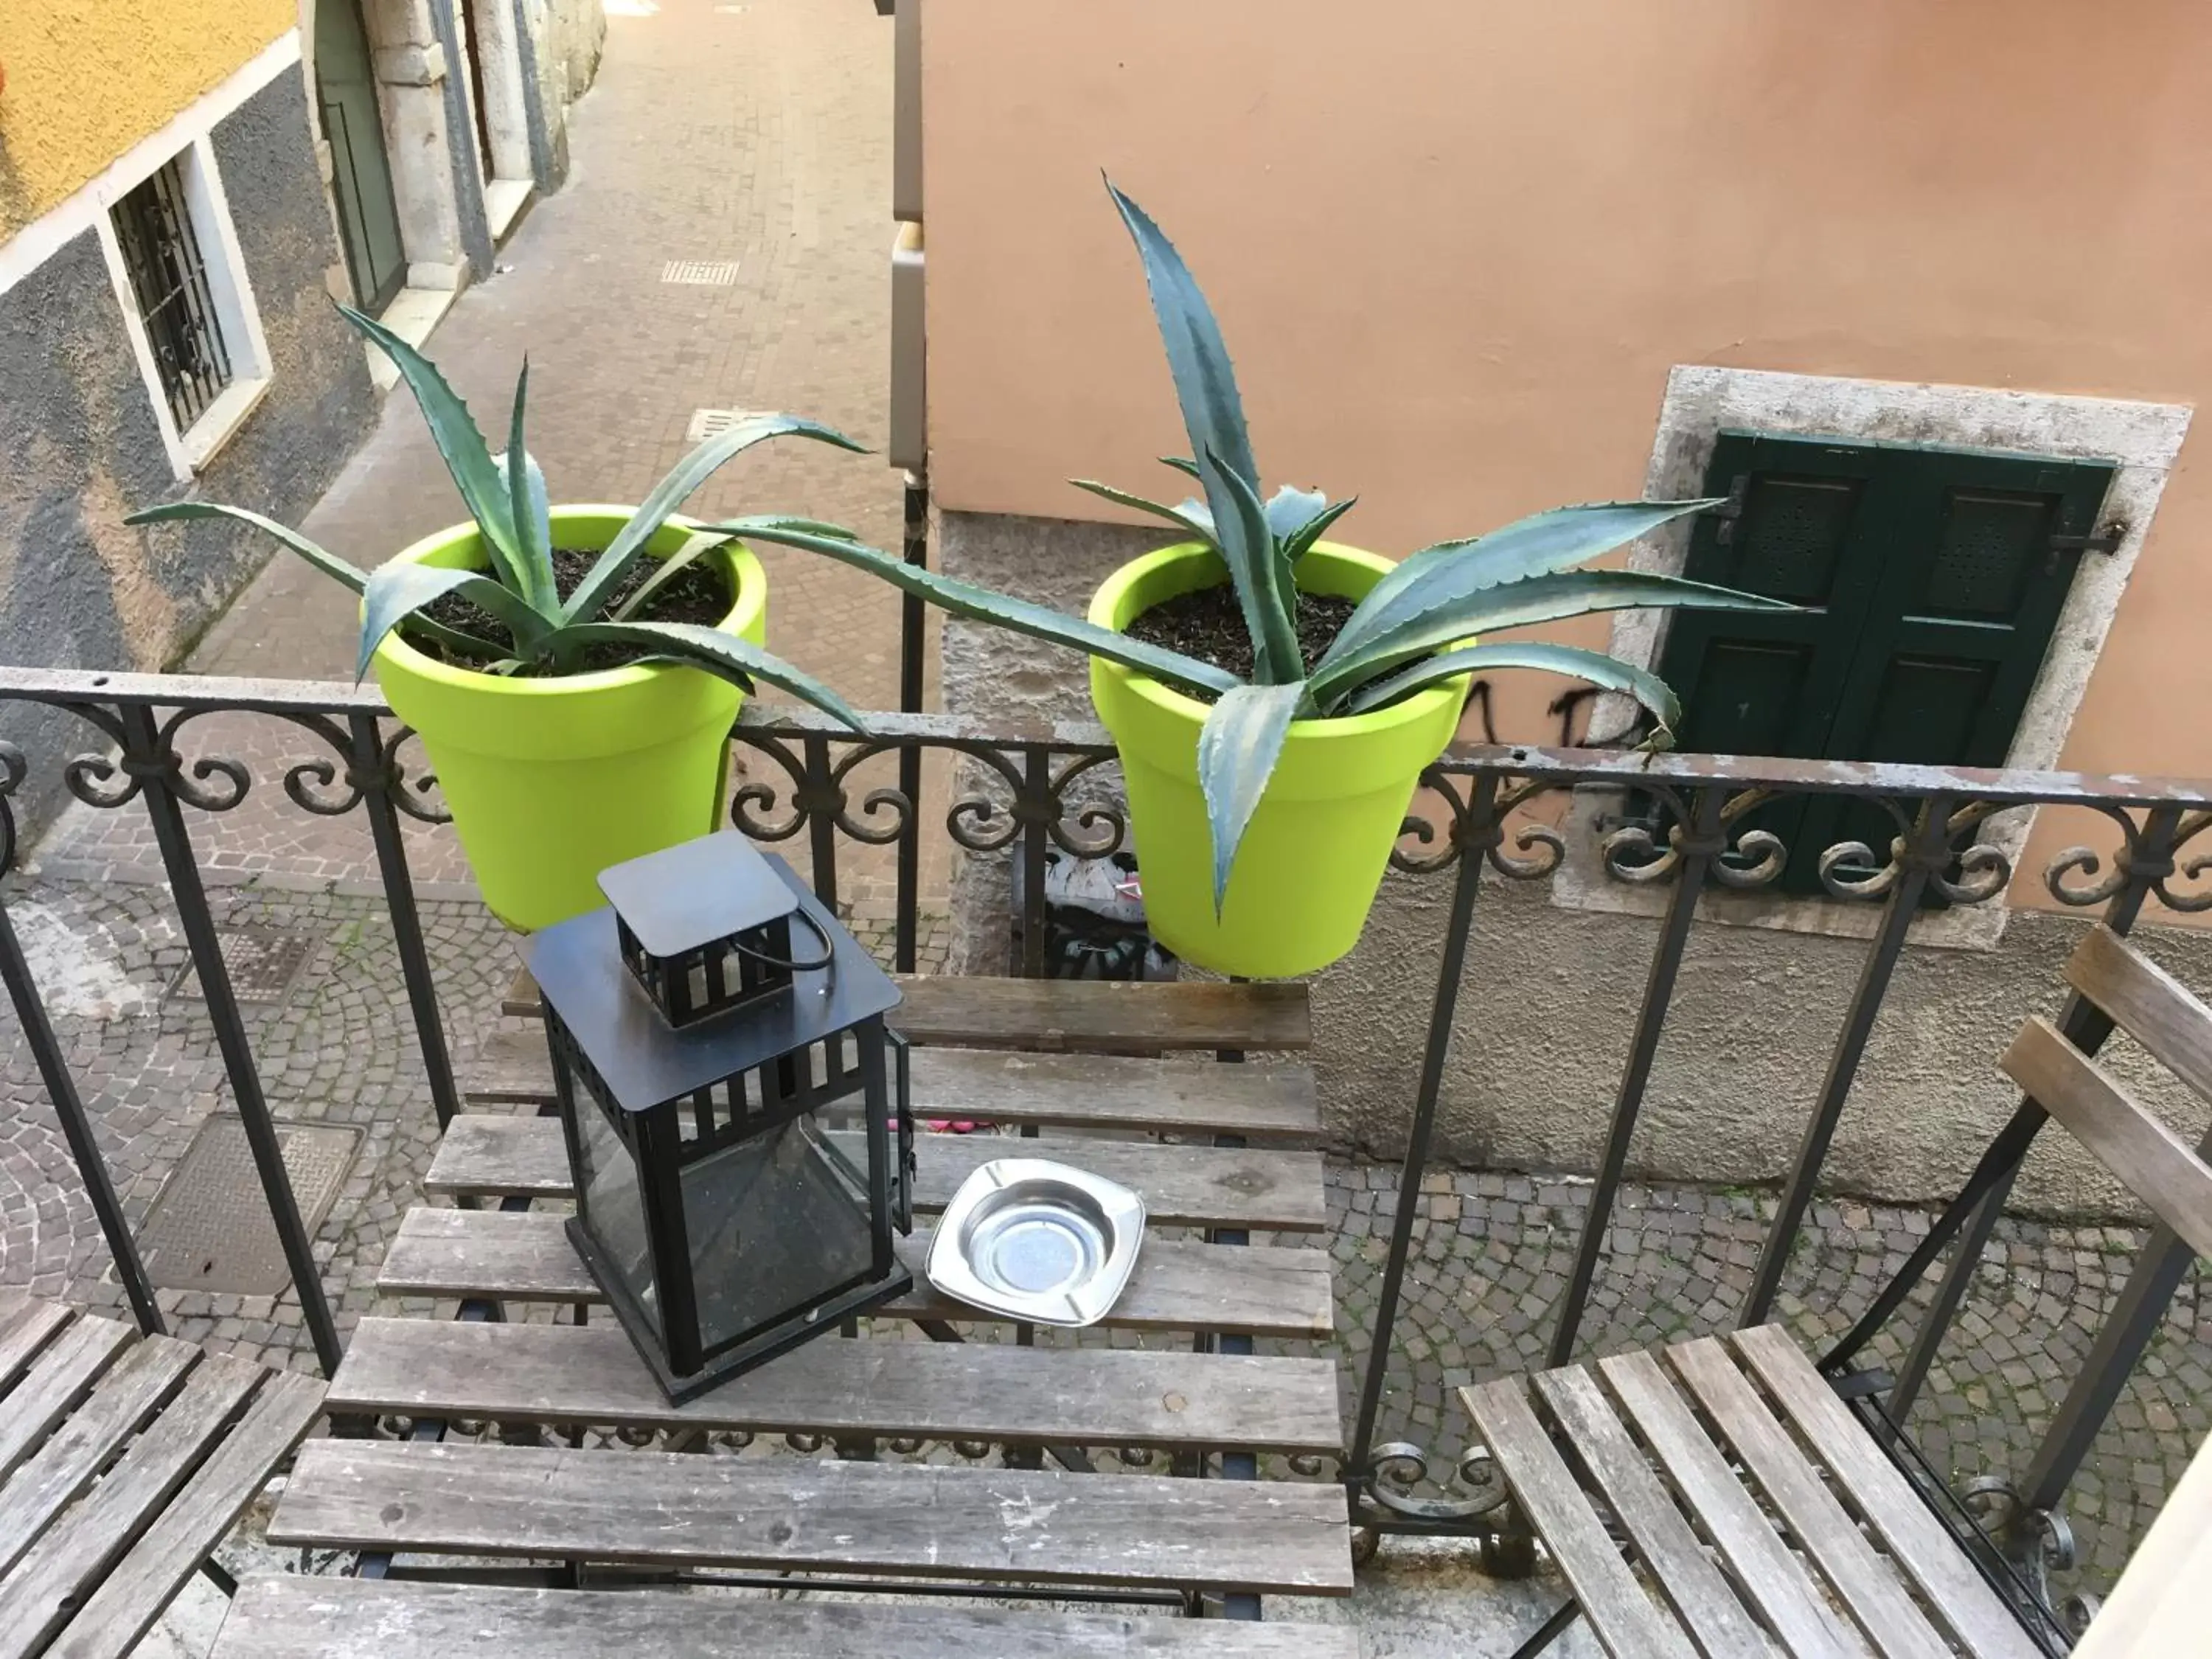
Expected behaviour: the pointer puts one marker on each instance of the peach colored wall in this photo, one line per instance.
(1455, 245)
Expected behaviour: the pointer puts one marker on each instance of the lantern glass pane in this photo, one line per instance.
(774, 1224)
(613, 1207)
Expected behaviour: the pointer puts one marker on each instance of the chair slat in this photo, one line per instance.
(59, 1377)
(2158, 1165)
(2148, 1003)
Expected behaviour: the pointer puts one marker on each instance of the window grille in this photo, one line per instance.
(169, 276)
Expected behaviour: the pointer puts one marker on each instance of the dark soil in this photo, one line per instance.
(700, 594)
(1206, 624)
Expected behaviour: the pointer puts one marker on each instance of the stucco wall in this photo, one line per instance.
(1456, 246)
(86, 79)
(570, 35)
(77, 587)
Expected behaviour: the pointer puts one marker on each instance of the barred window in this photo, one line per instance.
(161, 251)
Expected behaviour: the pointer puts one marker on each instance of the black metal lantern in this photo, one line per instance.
(703, 1045)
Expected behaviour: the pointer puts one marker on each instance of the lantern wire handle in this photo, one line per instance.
(827, 959)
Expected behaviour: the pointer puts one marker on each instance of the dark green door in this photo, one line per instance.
(1930, 580)
(361, 177)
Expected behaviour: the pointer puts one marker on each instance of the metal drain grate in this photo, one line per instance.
(701, 273)
(210, 1228)
(713, 423)
(263, 962)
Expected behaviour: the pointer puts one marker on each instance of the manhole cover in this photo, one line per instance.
(210, 1228)
(701, 273)
(713, 423)
(263, 963)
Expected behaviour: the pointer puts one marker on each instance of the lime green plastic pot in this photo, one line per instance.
(551, 781)
(1313, 858)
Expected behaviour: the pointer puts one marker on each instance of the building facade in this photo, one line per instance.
(1915, 291)
(185, 187)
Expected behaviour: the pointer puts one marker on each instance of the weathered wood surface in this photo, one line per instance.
(302, 1618)
(1628, 1624)
(1867, 1585)
(82, 1446)
(1773, 1577)
(1670, 1551)
(195, 1520)
(2156, 1008)
(968, 1391)
(1106, 1092)
(27, 1325)
(58, 1375)
(823, 1515)
(76, 1552)
(1077, 1015)
(1891, 1508)
(1282, 1190)
(2158, 1165)
(1178, 1285)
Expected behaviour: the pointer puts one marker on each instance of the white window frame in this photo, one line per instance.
(2142, 439)
(229, 286)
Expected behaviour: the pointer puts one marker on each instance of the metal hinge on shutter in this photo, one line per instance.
(2106, 540)
(1730, 512)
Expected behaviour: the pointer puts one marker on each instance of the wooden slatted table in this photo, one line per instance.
(1093, 1065)
(124, 1461)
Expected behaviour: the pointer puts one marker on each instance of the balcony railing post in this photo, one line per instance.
(76, 1128)
(146, 756)
(912, 623)
(1704, 842)
(377, 778)
(1475, 834)
(1919, 855)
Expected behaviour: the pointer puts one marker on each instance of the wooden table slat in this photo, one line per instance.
(818, 1516)
(1867, 1585)
(195, 1521)
(65, 1464)
(1898, 1514)
(303, 1618)
(1182, 1096)
(1283, 1191)
(1078, 1016)
(1628, 1624)
(1678, 1563)
(62, 1373)
(27, 1324)
(1178, 1285)
(1772, 1577)
(964, 1391)
(77, 1550)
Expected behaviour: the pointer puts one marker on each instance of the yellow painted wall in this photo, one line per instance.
(86, 79)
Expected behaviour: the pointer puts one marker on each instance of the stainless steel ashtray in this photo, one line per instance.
(1035, 1240)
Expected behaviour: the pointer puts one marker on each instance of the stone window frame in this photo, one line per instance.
(2142, 439)
(230, 286)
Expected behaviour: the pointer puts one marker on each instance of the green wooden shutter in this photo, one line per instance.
(1931, 588)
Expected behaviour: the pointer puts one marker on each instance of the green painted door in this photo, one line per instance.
(1931, 581)
(361, 176)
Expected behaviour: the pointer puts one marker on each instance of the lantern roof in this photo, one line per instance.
(643, 1060)
(693, 893)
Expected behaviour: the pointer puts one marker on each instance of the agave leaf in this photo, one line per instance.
(1300, 542)
(1018, 616)
(1609, 673)
(330, 564)
(533, 513)
(1289, 507)
(672, 492)
(1541, 544)
(682, 560)
(1192, 515)
(454, 431)
(1515, 605)
(733, 659)
(1248, 550)
(396, 590)
(1237, 749)
(1213, 416)
(1181, 463)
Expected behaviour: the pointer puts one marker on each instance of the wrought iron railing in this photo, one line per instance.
(1687, 827)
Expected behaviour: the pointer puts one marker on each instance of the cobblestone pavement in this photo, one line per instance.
(759, 134)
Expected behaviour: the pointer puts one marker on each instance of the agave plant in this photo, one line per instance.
(526, 627)
(1409, 633)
